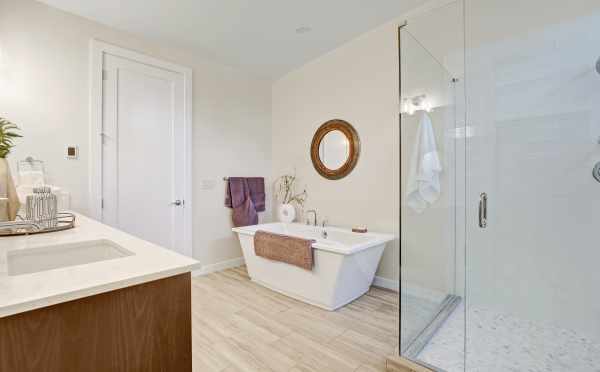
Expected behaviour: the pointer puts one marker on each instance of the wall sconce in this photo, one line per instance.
(414, 104)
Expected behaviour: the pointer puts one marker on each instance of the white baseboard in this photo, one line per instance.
(386, 283)
(219, 266)
(379, 281)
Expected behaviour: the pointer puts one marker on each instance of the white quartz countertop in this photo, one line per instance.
(26, 292)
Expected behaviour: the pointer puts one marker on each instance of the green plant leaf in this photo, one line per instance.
(7, 134)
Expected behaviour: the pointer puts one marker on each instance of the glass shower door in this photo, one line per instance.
(427, 231)
(431, 283)
(533, 109)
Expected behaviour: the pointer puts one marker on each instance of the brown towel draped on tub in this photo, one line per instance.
(283, 248)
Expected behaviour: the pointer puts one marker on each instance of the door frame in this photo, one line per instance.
(98, 49)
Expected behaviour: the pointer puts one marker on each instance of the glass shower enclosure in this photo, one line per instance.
(500, 157)
(428, 116)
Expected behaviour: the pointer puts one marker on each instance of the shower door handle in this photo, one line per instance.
(483, 210)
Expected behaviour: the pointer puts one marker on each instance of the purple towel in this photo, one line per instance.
(235, 191)
(257, 192)
(247, 197)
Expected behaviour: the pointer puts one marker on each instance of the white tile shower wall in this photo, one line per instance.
(44, 88)
(532, 96)
(534, 123)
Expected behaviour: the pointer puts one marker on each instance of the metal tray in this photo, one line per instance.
(65, 221)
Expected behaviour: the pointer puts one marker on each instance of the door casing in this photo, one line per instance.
(97, 51)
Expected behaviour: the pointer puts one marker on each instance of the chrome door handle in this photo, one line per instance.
(177, 203)
(483, 210)
(596, 171)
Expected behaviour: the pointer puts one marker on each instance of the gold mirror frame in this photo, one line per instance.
(354, 146)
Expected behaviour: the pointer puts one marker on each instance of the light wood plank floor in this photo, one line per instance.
(241, 326)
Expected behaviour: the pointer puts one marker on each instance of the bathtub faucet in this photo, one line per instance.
(314, 212)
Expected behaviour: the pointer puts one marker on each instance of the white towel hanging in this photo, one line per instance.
(423, 184)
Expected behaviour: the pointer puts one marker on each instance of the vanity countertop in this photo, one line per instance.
(148, 262)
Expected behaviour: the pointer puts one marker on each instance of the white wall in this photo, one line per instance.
(357, 82)
(44, 62)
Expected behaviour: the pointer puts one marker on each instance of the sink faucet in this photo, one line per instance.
(314, 212)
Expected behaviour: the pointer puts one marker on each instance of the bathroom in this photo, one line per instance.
(493, 272)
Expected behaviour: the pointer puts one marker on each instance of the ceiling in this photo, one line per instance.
(258, 36)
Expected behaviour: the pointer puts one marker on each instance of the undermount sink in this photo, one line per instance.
(32, 260)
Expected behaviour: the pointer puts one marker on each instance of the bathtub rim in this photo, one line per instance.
(377, 238)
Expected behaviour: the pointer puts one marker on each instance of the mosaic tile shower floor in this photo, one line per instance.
(504, 343)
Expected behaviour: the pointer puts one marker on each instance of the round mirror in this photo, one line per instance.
(335, 149)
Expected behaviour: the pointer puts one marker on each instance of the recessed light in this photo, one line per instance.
(303, 30)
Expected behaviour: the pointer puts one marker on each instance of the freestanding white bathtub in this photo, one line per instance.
(344, 264)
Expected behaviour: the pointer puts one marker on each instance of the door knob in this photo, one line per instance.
(177, 203)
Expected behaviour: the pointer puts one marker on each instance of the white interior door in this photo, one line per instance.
(143, 142)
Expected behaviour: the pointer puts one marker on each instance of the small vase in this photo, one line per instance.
(286, 213)
(9, 200)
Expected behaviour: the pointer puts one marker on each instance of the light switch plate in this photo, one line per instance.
(207, 184)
